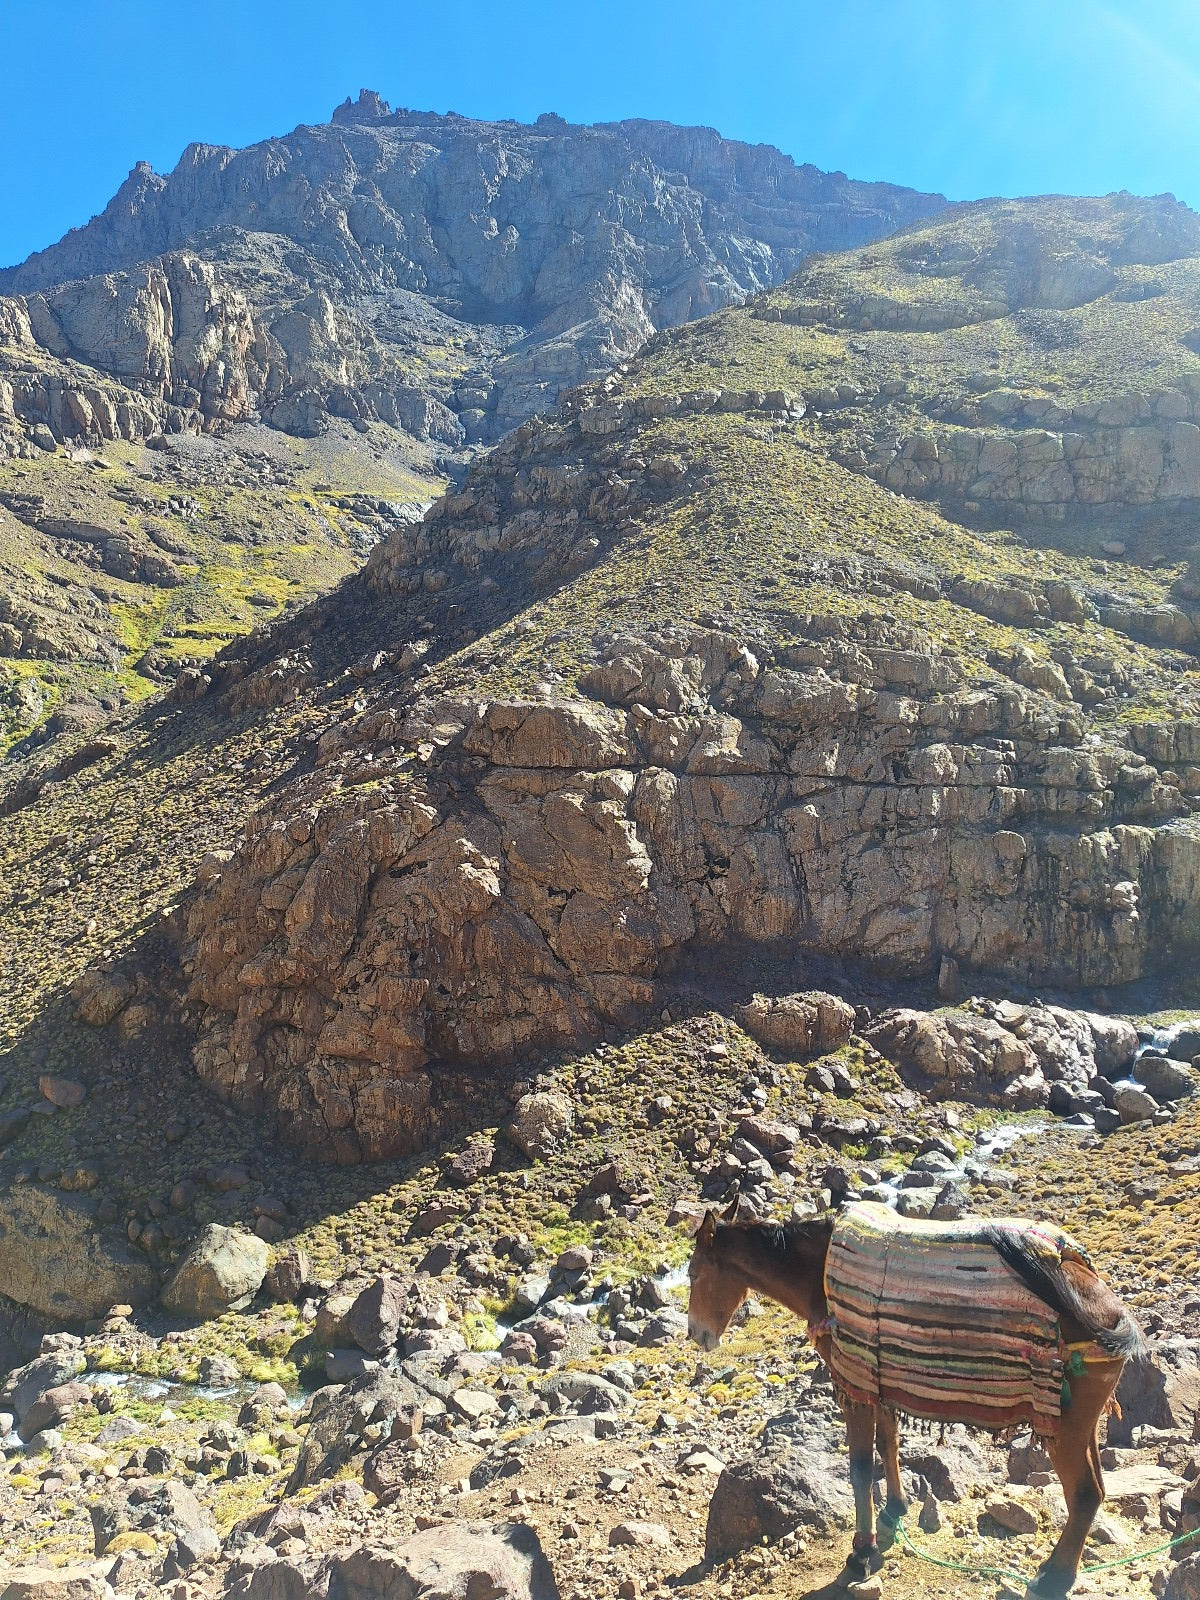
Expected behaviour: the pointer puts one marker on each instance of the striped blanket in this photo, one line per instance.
(927, 1317)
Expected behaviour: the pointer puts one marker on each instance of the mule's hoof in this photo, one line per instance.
(1046, 1587)
(856, 1576)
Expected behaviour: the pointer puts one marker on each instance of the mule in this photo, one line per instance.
(788, 1264)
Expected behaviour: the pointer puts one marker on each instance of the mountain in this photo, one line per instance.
(438, 274)
(753, 785)
(311, 335)
(677, 672)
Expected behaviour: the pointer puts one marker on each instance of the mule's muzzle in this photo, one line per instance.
(704, 1337)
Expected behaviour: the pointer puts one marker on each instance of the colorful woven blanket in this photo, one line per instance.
(928, 1318)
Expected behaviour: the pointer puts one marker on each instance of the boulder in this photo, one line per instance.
(541, 1124)
(56, 1259)
(959, 1055)
(26, 1386)
(163, 1509)
(100, 995)
(1166, 1080)
(795, 1480)
(453, 1561)
(56, 1583)
(1012, 1513)
(471, 1163)
(1183, 1581)
(222, 1271)
(1163, 1392)
(65, 1093)
(1133, 1103)
(339, 1416)
(1115, 1043)
(53, 1407)
(373, 1321)
(810, 1023)
(289, 1271)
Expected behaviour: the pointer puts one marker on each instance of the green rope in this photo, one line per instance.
(1011, 1572)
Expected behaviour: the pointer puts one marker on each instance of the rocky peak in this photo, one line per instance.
(520, 288)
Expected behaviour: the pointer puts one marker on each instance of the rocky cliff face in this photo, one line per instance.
(813, 716)
(439, 275)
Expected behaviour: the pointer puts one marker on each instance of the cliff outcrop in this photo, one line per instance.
(689, 682)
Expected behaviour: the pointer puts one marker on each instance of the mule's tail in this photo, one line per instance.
(1051, 1283)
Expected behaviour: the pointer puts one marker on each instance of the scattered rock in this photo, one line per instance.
(541, 1124)
(643, 1535)
(65, 1093)
(222, 1271)
(56, 1260)
(373, 1320)
(810, 1023)
(794, 1480)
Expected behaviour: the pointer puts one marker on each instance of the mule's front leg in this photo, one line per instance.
(1075, 1452)
(864, 1557)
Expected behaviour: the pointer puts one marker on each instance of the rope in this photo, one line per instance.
(1011, 1572)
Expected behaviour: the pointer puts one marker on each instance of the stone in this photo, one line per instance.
(1134, 1104)
(792, 1481)
(344, 1366)
(165, 1509)
(810, 1023)
(373, 1320)
(960, 1055)
(288, 1272)
(530, 1292)
(56, 1260)
(386, 1471)
(100, 995)
(929, 1518)
(541, 1124)
(331, 1327)
(62, 1092)
(1166, 1080)
(1012, 1514)
(340, 1414)
(1163, 1392)
(519, 1348)
(642, 1535)
(219, 1372)
(474, 1404)
(53, 1407)
(450, 1561)
(222, 1271)
(1183, 1581)
(471, 1163)
(1115, 1042)
(56, 1583)
(27, 1385)
(577, 1258)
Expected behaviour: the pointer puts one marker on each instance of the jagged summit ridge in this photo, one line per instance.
(554, 249)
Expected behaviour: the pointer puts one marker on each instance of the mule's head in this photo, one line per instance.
(718, 1286)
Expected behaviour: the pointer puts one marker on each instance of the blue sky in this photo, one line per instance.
(968, 97)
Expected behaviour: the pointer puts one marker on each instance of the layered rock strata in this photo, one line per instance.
(518, 873)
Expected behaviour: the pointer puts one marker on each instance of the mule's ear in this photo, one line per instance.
(731, 1210)
(707, 1231)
